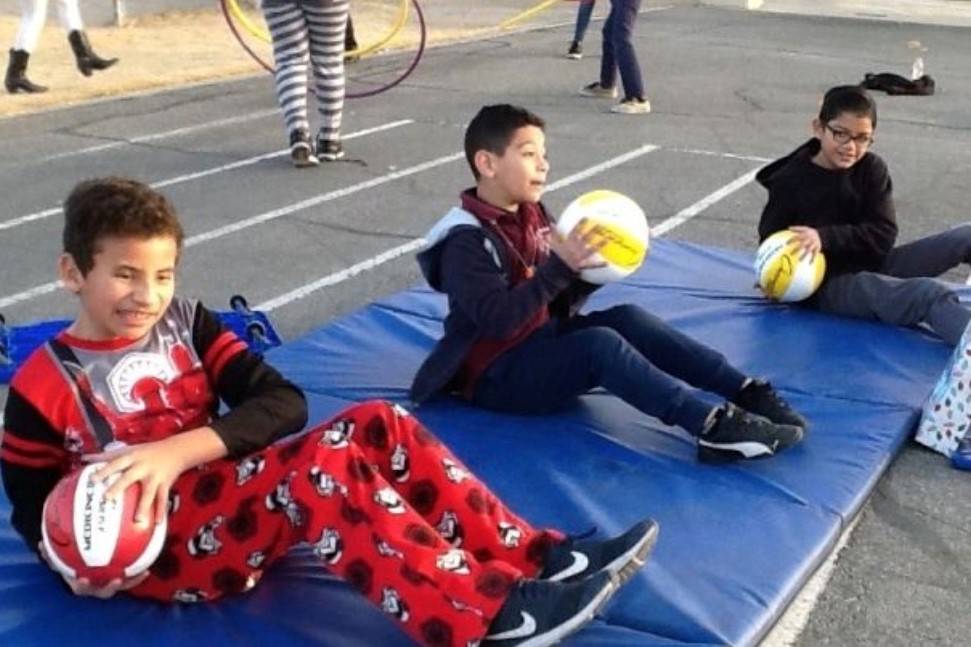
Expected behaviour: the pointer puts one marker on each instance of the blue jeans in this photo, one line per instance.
(584, 12)
(625, 350)
(618, 49)
(902, 292)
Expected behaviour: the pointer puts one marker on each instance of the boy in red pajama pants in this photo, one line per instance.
(135, 382)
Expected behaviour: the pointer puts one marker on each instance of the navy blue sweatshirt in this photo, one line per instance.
(472, 264)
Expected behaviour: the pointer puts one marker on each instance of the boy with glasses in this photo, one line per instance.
(836, 197)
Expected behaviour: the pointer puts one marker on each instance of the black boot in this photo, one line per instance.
(16, 79)
(87, 60)
(350, 42)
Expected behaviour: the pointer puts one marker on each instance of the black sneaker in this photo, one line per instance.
(735, 433)
(621, 556)
(301, 150)
(539, 613)
(576, 50)
(329, 150)
(760, 398)
(598, 91)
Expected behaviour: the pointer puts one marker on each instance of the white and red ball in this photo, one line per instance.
(88, 536)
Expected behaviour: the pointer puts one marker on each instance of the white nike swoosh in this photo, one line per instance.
(748, 449)
(579, 565)
(527, 628)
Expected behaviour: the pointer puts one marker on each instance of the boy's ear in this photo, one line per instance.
(69, 273)
(485, 163)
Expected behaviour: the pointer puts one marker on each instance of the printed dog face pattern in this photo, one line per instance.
(379, 500)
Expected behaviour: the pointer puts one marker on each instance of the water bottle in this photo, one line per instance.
(917, 69)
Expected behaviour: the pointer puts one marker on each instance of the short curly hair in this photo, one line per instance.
(492, 129)
(115, 207)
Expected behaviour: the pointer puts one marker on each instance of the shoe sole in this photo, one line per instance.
(306, 163)
(574, 57)
(582, 617)
(624, 567)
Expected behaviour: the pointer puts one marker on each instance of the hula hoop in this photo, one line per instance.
(535, 9)
(423, 36)
(260, 33)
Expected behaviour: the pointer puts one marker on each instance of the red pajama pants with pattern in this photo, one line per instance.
(383, 503)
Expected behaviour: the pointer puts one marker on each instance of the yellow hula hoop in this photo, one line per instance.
(261, 33)
(509, 22)
(248, 24)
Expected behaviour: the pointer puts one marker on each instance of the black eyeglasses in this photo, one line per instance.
(844, 137)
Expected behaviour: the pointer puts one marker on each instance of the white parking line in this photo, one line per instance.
(678, 219)
(734, 156)
(688, 213)
(319, 199)
(47, 288)
(20, 220)
(412, 245)
(141, 139)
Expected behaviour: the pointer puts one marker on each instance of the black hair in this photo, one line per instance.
(119, 207)
(492, 130)
(848, 98)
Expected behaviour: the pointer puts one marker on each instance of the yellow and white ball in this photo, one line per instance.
(620, 223)
(781, 272)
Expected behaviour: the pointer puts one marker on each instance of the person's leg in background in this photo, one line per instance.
(584, 13)
(327, 23)
(622, 33)
(33, 13)
(85, 57)
(606, 87)
(291, 55)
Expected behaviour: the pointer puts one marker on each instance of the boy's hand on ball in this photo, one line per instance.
(808, 239)
(83, 586)
(155, 465)
(580, 248)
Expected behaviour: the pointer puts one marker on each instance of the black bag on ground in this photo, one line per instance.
(895, 84)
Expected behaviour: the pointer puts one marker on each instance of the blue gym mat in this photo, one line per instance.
(737, 542)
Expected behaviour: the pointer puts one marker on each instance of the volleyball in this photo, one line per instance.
(619, 222)
(87, 536)
(782, 273)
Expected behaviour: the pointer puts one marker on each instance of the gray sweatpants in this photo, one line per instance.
(903, 292)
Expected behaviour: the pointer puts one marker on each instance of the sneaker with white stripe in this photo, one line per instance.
(736, 434)
(619, 556)
(538, 613)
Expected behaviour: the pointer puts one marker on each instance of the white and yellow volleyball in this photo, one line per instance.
(781, 272)
(616, 220)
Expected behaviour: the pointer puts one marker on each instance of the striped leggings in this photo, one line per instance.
(309, 33)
